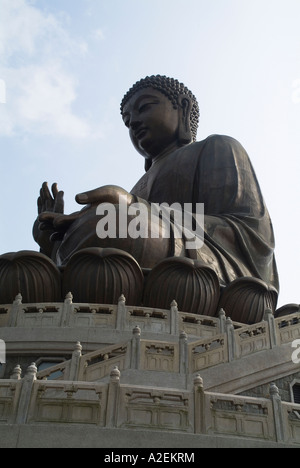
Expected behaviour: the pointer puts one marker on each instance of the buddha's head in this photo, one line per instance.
(161, 114)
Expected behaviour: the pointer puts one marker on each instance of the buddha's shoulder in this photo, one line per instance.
(221, 146)
(218, 140)
(216, 151)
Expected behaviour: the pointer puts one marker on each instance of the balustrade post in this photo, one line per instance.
(121, 313)
(199, 405)
(136, 348)
(66, 310)
(174, 319)
(230, 340)
(16, 374)
(269, 318)
(25, 395)
(222, 319)
(75, 362)
(14, 312)
(183, 353)
(113, 398)
(277, 412)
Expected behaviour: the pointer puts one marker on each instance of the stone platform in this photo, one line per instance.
(138, 377)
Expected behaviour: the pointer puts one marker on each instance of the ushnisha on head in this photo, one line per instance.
(175, 91)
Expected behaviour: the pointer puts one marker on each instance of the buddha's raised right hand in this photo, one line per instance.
(50, 207)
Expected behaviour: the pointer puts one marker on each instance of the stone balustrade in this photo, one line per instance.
(242, 339)
(184, 356)
(114, 317)
(112, 404)
(88, 388)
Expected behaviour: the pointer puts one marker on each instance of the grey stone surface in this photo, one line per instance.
(64, 436)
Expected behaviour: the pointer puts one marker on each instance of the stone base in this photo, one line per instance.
(146, 378)
(78, 436)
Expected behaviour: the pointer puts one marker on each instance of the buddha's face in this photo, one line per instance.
(152, 121)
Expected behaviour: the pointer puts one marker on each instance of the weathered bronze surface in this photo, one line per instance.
(30, 273)
(101, 276)
(162, 117)
(195, 286)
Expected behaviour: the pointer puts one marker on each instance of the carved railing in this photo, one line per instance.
(222, 341)
(96, 365)
(116, 405)
(178, 356)
(288, 328)
(252, 339)
(118, 317)
(122, 318)
(239, 416)
(207, 353)
(61, 371)
(159, 356)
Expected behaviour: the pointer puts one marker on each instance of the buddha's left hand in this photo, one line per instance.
(107, 194)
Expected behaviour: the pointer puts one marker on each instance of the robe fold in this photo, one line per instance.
(238, 233)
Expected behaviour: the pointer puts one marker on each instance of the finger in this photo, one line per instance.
(59, 203)
(82, 198)
(47, 217)
(108, 193)
(42, 198)
(45, 191)
(64, 221)
(40, 205)
(48, 200)
(54, 190)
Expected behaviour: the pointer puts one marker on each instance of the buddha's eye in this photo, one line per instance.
(144, 107)
(147, 104)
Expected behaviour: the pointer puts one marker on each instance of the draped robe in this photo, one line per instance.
(238, 233)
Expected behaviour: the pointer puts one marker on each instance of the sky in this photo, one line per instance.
(66, 64)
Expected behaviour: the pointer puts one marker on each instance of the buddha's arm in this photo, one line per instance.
(238, 229)
(51, 202)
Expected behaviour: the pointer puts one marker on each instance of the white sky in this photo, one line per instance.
(66, 64)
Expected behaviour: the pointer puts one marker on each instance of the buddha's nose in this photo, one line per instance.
(135, 122)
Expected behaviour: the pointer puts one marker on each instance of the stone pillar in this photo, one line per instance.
(136, 348)
(14, 312)
(16, 374)
(230, 339)
(121, 314)
(277, 412)
(174, 319)
(269, 318)
(222, 318)
(199, 403)
(26, 392)
(75, 362)
(66, 312)
(113, 398)
(183, 354)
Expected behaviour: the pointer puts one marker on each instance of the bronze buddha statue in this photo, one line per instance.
(235, 263)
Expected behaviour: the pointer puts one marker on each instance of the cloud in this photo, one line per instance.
(37, 54)
(98, 34)
(43, 103)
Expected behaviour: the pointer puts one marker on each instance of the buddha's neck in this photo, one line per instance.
(170, 149)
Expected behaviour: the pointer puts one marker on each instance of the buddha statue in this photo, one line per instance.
(234, 265)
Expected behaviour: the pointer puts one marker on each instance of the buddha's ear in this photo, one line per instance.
(185, 106)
